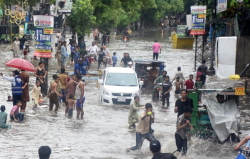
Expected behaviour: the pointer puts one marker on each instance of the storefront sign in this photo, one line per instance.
(221, 6)
(239, 91)
(198, 20)
(43, 35)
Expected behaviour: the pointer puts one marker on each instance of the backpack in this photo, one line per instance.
(240, 156)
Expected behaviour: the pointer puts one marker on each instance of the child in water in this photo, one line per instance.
(133, 117)
(181, 133)
(178, 85)
(36, 93)
(71, 106)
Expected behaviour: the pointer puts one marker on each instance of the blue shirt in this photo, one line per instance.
(114, 59)
(78, 67)
(72, 48)
(76, 55)
(84, 67)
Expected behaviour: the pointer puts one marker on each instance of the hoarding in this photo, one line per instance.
(221, 6)
(43, 26)
(64, 6)
(198, 20)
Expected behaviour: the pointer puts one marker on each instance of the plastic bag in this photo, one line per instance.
(240, 156)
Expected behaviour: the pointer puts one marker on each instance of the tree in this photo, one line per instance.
(82, 18)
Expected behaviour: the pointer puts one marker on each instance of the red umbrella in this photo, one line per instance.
(20, 64)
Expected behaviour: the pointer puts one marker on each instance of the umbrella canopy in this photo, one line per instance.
(20, 64)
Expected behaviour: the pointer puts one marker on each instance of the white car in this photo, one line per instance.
(119, 86)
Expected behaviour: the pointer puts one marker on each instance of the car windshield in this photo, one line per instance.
(121, 79)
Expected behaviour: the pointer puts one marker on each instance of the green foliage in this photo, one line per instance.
(82, 18)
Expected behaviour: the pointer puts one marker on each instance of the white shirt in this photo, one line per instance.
(93, 49)
(11, 79)
(78, 91)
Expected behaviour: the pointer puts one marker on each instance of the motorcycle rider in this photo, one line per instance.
(126, 33)
(160, 79)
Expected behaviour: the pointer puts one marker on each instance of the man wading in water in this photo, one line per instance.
(79, 97)
(53, 95)
(143, 129)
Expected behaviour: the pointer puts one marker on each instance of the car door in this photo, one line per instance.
(102, 87)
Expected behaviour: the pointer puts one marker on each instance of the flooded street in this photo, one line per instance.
(103, 133)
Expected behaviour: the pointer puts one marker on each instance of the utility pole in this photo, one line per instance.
(214, 12)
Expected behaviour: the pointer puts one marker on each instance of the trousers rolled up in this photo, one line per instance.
(18, 116)
(5, 126)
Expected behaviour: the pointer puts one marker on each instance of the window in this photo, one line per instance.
(121, 79)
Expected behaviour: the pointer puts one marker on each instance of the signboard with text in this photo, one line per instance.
(221, 6)
(64, 6)
(43, 25)
(198, 20)
(239, 91)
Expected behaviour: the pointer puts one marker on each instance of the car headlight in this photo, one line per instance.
(106, 92)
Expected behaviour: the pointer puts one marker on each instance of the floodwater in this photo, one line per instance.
(103, 133)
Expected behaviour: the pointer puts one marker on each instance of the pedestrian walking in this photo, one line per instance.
(204, 72)
(40, 75)
(180, 75)
(178, 85)
(63, 54)
(63, 80)
(25, 94)
(183, 102)
(165, 91)
(36, 93)
(104, 38)
(107, 55)
(82, 45)
(71, 106)
(3, 119)
(73, 50)
(101, 58)
(70, 89)
(17, 85)
(181, 133)
(16, 47)
(189, 83)
(143, 129)
(156, 50)
(54, 95)
(133, 117)
(114, 59)
(198, 85)
(80, 98)
(22, 42)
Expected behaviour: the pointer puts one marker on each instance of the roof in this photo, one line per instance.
(147, 61)
(119, 70)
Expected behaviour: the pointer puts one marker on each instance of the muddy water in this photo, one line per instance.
(103, 133)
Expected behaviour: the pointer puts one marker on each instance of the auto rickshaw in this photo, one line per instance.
(144, 68)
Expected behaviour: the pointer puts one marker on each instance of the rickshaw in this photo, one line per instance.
(142, 68)
(203, 120)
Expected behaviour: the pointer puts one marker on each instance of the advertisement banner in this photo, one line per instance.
(64, 6)
(43, 26)
(198, 20)
(221, 6)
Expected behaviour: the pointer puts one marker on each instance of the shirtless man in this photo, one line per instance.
(178, 85)
(79, 97)
(71, 89)
(53, 95)
(71, 106)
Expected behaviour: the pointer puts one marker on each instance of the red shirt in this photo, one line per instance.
(198, 74)
(189, 84)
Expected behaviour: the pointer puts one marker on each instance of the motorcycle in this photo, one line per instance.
(125, 39)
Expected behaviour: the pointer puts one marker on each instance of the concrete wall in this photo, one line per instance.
(243, 54)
